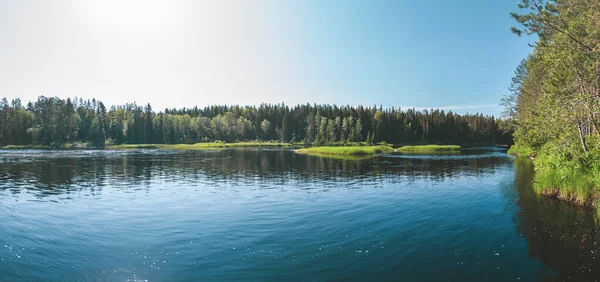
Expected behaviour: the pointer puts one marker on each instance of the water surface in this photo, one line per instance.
(272, 215)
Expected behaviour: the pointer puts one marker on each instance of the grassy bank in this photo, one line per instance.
(568, 185)
(347, 150)
(560, 176)
(199, 146)
(429, 149)
(580, 187)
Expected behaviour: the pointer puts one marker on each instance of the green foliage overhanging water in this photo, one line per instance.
(554, 103)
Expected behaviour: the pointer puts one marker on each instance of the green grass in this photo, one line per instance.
(347, 150)
(429, 149)
(575, 186)
(200, 146)
(25, 147)
(521, 151)
(568, 185)
(570, 179)
(564, 176)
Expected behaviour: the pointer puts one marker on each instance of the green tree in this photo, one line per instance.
(265, 125)
(310, 129)
(358, 131)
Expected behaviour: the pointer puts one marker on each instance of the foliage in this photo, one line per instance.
(555, 96)
(518, 150)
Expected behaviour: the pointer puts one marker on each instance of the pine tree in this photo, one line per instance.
(358, 131)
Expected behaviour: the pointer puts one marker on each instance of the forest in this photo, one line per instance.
(54, 121)
(554, 103)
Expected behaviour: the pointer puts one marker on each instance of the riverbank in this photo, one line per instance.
(521, 151)
(560, 178)
(576, 186)
(572, 186)
(347, 150)
(429, 149)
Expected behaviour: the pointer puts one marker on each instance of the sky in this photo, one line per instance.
(455, 55)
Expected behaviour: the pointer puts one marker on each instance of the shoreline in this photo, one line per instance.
(573, 187)
(589, 204)
(401, 148)
(200, 146)
(196, 146)
(576, 189)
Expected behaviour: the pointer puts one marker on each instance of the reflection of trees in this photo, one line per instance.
(66, 174)
(561, 236)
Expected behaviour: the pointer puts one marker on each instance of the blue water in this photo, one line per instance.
(272, 215)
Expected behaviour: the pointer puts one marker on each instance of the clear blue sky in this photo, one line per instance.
(457, 55)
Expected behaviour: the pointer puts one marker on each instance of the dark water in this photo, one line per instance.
(271, 215)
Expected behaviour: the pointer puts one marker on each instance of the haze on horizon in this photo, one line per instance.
(457, 55)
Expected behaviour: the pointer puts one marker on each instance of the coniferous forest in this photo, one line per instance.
(55, 121)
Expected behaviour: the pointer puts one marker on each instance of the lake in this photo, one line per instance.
(273, 215)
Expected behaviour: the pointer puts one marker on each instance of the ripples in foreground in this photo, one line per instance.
(272, 215)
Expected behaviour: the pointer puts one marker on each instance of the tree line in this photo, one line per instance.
(55, 121)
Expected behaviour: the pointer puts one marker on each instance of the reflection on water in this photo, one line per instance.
(561, 236)
(260, 215)
(57, 172)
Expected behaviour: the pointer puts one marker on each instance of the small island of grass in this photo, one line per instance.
(429, 149)
(199, 146)
(347, 150)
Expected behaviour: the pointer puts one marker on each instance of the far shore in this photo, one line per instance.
(340, 149)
